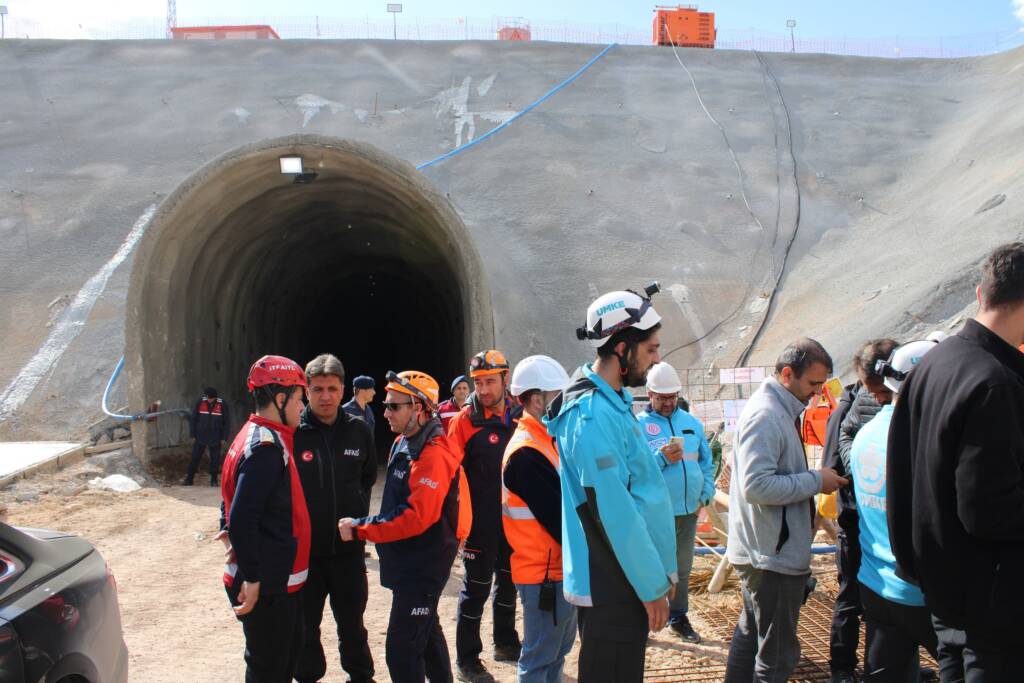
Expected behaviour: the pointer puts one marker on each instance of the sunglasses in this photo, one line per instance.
(393, 407)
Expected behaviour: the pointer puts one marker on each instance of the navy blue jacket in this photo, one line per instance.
(416, 528)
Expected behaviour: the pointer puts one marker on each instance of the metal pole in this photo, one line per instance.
(792, 40)
(394, 23)
(3, 27)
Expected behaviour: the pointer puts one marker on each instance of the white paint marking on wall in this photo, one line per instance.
(310, 105)
(456, 100)
(243, 115)
(498, 116)
(69, 324)
(485, 85)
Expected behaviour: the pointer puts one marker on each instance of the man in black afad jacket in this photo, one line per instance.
(337, 464)
(208, 427)
(955, 491)
(858, 404)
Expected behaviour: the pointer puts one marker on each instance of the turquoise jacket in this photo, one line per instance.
(690, 481)
(618, 531)
(868, 467)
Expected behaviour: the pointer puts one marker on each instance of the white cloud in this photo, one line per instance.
(1018, 10)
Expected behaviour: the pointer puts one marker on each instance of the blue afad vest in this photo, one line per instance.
(691, 480)
(867, 465)
(618, 541)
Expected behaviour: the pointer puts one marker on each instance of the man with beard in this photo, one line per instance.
(771, 515)
(481, 431)
(337, 464)
(618, 536)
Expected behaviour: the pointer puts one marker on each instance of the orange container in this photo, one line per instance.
(684, 26)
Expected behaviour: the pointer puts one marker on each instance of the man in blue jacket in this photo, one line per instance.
(681, 451)
(618, 539)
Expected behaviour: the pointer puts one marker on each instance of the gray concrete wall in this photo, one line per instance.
(619, 179)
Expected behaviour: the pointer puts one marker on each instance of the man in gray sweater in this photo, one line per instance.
(771, 515)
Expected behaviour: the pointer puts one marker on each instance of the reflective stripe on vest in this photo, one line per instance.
(534, 552)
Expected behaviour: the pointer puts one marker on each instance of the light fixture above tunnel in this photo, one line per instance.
(292, 165)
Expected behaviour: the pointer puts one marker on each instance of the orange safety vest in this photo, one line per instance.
(535, 554)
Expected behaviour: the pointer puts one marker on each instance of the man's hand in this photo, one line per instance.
(830, 480)
(248, 595)
(345, 526)
(229, 552)
(657, 613)
(673, 452)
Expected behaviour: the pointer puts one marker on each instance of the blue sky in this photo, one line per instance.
(815, 18)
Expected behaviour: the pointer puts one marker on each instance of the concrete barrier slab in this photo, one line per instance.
(19, 458)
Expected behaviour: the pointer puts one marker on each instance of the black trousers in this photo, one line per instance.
(847, 611)
(197, 456)
(342, 578)
(481, 568)
(415, 644)
(894, 634)
(273, 636)
(977, 655)
(613, 643)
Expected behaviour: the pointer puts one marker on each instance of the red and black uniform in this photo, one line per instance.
(268, 526)
(208, 425)
(446, 411)
(415, 533)
(337, 465)
(481, 436)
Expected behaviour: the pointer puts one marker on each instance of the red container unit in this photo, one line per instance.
(684, 26)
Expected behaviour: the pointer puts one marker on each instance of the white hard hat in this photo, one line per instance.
(616, 311)
(538, 372)
(662, 378)
(902, 360)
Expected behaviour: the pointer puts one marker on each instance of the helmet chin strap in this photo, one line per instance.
(624, 361)
(412, 419)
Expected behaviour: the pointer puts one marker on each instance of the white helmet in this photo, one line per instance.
(616, 311)
(538, 372)
(904, 358)
(662, 378)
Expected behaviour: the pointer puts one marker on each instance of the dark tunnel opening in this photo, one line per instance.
(366, 262)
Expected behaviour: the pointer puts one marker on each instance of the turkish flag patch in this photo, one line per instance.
(493, 438)
(307, 456)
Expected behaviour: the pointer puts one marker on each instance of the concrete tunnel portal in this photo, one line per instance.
(366, 261)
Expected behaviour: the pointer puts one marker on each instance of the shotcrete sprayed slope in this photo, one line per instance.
(621, 178)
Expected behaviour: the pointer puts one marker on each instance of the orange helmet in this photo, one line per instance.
(416, 384)
(488, 363)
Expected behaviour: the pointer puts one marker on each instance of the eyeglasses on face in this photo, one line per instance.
(393, 407)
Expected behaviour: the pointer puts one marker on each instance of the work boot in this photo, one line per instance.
(843, 676)
(474, 672)
(684, 630)
(926, 674)
(188, 481)
(507, 653)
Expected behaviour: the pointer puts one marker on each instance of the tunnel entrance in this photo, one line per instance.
(366, 261)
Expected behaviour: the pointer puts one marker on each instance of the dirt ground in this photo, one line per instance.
(177, 624)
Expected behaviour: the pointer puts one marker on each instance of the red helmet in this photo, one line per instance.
(276, 370)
